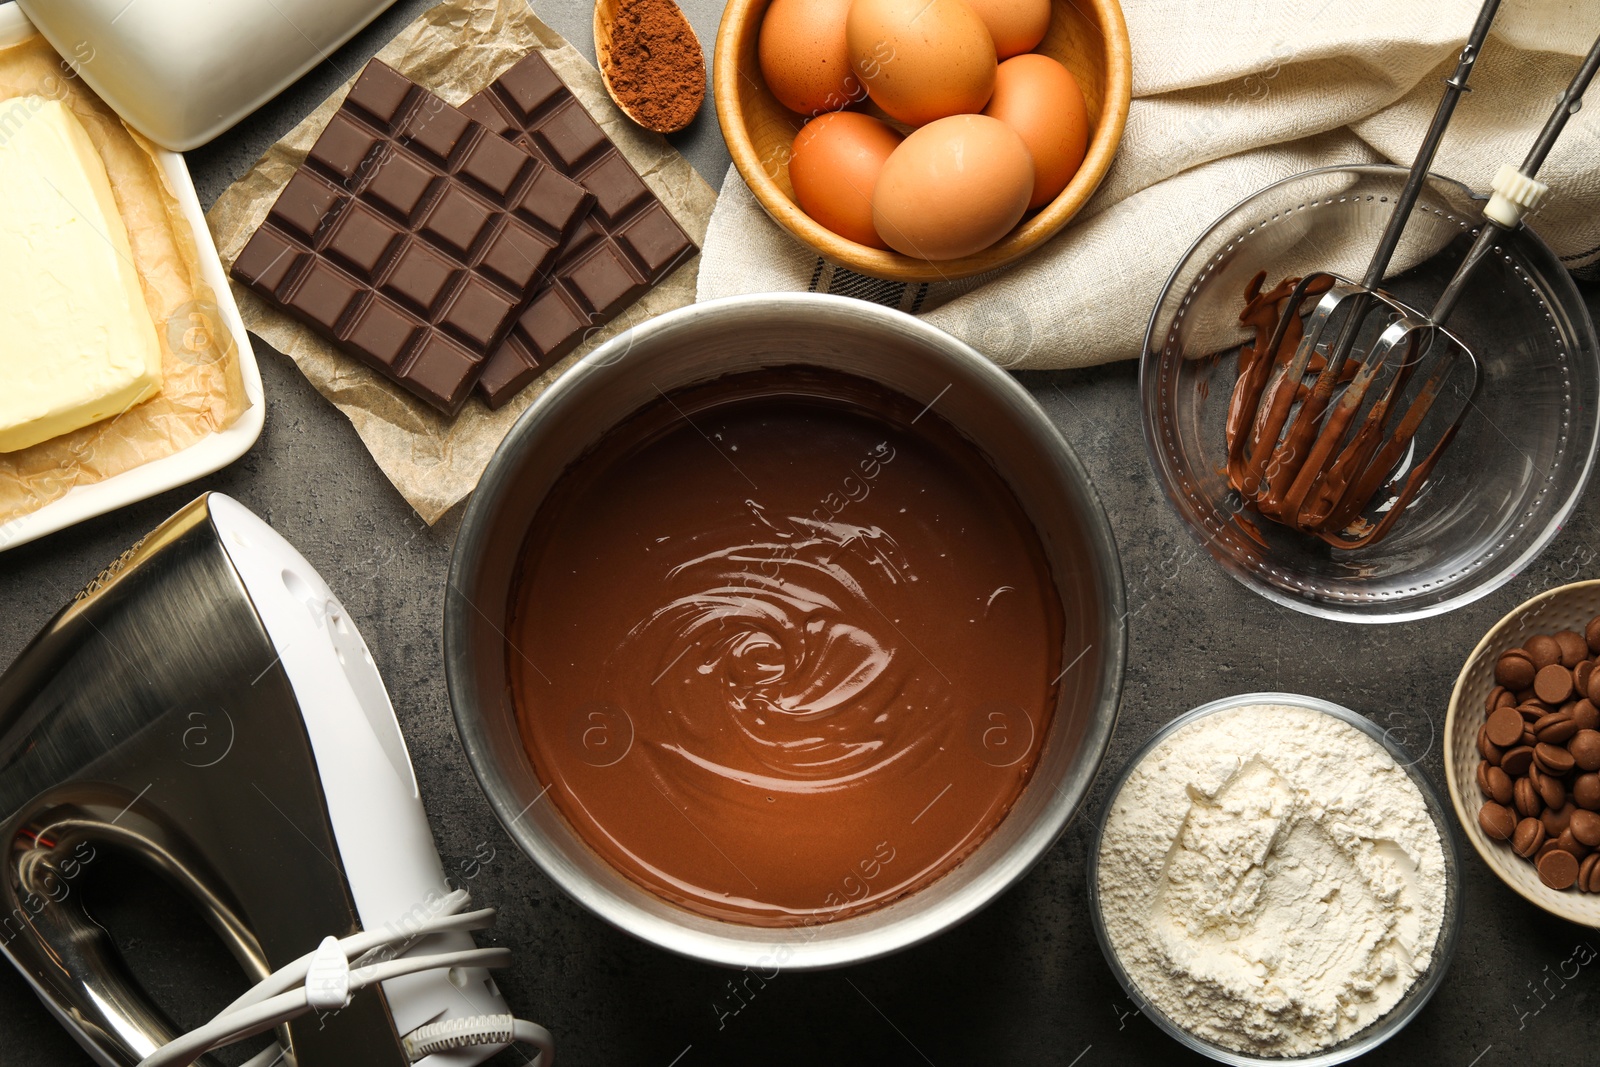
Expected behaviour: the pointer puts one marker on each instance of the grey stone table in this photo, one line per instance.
(1023, 982)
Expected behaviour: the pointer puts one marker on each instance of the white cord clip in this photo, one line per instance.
(328, 978)
(322, 981)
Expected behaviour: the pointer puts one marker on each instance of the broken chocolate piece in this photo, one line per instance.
(621, 248)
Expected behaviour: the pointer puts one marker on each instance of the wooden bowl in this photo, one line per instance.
(1567, 607)
(1088, 37)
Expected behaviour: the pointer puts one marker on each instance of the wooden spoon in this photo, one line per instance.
(675, 60)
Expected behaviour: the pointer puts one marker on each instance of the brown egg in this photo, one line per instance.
(834, 168)
(1017, 26)
(804, 60)
(1040, 99)
(921, 60)
(952, 188)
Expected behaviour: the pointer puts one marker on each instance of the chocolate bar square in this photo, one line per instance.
(306, 203)
(343, 146)
(420, 276)
(401, 184)
(362, 239)
(269, 259)
(383, 333)
(323, 295)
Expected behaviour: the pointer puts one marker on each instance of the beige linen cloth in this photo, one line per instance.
(454, 48)
(1229, 96)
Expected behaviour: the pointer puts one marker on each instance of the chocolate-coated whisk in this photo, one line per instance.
(1324, 471)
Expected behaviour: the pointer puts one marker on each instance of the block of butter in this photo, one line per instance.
(77, 343)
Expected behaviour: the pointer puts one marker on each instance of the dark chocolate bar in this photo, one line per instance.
(412, 236)
(625, 244)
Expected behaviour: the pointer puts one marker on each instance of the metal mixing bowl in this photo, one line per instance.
(707, 341)
(1501, 491)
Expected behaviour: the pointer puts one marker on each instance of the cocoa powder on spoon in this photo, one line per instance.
(653, 65)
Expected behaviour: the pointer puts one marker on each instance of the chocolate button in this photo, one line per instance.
(1499, 782)
(1516, 761)
(1527, 800)
(1486, 748)
(1552, 759)
(1515, 670)
(1573, 648)
(1594, 686)
(1553, 684)
(1586, 791)
(1567, 842)
(1585, 749)
(1558, 870)
(1586, 715)
(1556, 728)
(1591, 634)
(1589, 874)
(1505, 727)
(1585, 826)
(1528, 838)
(1544, 850)
(1494, 699)
(1551, 791)
(1543, 650)
(1497, 821)
(1556, 819)
(1580, 675)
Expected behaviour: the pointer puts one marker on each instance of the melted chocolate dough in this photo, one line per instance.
(782, 648)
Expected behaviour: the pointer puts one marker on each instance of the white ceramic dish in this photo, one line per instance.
(182, 71)
(204, 456)
(1567, 607)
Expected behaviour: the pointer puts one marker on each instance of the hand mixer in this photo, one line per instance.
(1324, 471)
(206, 707)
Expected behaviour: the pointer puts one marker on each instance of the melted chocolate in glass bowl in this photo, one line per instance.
(783, 647)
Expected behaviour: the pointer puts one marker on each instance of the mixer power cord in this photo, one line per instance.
(325, 980)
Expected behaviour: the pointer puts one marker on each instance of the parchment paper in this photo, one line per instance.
(202, 391)
(454, 49)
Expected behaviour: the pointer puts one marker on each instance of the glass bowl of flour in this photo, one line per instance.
(1274, 880)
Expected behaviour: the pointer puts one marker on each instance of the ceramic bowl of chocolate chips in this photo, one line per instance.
(1522, 750)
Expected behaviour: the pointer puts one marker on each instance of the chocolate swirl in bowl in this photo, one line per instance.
(784, 647)
(768, 638)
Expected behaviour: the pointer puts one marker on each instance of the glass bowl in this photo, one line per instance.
(1444, 948)
(1500, 492)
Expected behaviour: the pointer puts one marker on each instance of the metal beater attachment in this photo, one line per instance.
(1316, 461)
(1322, 493)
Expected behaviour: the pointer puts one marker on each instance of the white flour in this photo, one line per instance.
(1271, 880)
